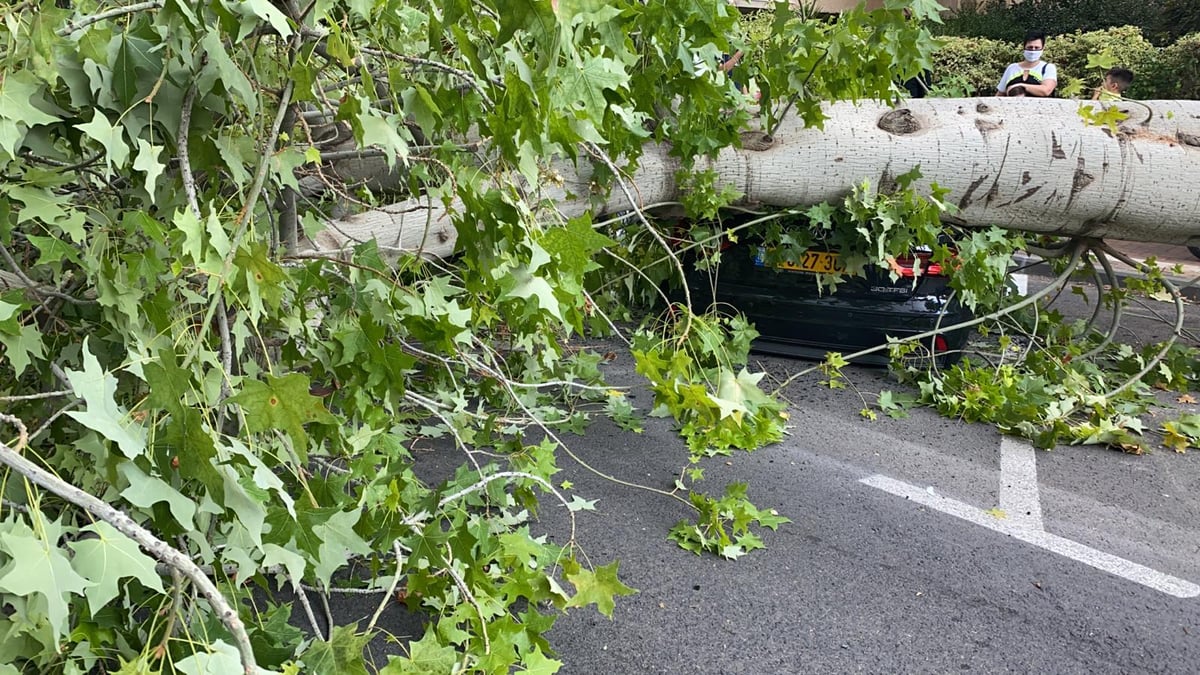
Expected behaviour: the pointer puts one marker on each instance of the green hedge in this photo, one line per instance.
(1000, 20)
(1175, 72)
(1126, 45)
(1159, 73)
(978, 61)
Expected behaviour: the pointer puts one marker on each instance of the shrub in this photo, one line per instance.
(1125, 46)
(1000, 20)
(1179, 18)
(978, 61)
(1168, 73)
(1175, 73)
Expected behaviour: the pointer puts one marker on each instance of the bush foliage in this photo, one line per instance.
(1009, 22)
(1171, 72)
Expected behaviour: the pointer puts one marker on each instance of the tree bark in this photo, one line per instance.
(1023, 164)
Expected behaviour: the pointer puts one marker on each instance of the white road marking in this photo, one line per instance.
(1018, 483)
(1022, 529)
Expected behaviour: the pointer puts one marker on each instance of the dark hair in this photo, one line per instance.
(1124, 76)
(1035, 35)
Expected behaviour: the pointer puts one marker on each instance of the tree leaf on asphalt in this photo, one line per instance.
(598, 587)
(342, 654)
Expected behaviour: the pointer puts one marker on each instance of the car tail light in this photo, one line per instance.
(940, 344)
(904, 266)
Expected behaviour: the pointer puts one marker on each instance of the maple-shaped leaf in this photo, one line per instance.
(599, 587)
(102, 414)
(537, 663)
(575, 246)
(147, 162)
(338, 541)
(106, 559)
(342, 654)
(39, 567)
(585, 85)
(426, 656)
(112, 138)
(263, 278)
(1186, 398)
(18, 90)
(282, 403)
(220, 658)
(21, 349)
(523, 283)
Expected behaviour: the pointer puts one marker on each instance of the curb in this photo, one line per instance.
(1038, 267)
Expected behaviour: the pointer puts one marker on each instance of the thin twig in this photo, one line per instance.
(435, 65)
(302, 596)
(40, 291)
(34, 397)
(391, 591)
(466, 591)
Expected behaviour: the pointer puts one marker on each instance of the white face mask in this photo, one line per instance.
(1033, 55)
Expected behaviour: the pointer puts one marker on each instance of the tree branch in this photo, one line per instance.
(110, 14)
(156, 547)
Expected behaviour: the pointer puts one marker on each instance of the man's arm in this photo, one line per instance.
(1044, 89)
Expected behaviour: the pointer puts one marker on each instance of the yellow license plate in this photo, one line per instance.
(816, 262)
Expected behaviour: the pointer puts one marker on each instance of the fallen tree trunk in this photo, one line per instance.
(1022, 164)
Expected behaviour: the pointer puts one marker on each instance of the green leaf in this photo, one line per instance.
(342, 654)
(147, 162)
(575, 245)
(53, 249)
(580, 504)
(37, 567)
(522, 283)
(112, 138)
(222, 68)
(145, 491)
(426, 656)
(97, 388)
(383, 132)
(135, 65)
(22, 348)
(106, 559)
(537, 663)
(18, 90)
(584, 87)
(282, 403)
(338, 541)
(599, 587)
(264, 10)
(221, 658)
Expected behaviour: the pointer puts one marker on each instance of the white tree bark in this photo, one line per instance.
(1022, 163)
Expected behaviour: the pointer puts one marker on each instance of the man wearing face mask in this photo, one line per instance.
(1033, 76)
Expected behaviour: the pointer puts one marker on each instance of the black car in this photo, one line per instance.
(797, 316)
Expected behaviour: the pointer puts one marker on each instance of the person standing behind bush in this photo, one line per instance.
(1033, 76)
(1116, 81)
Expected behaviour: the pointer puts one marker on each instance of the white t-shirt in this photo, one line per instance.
(1042, 70)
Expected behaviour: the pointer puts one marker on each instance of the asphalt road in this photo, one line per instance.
(921, 545)
(867, 581)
